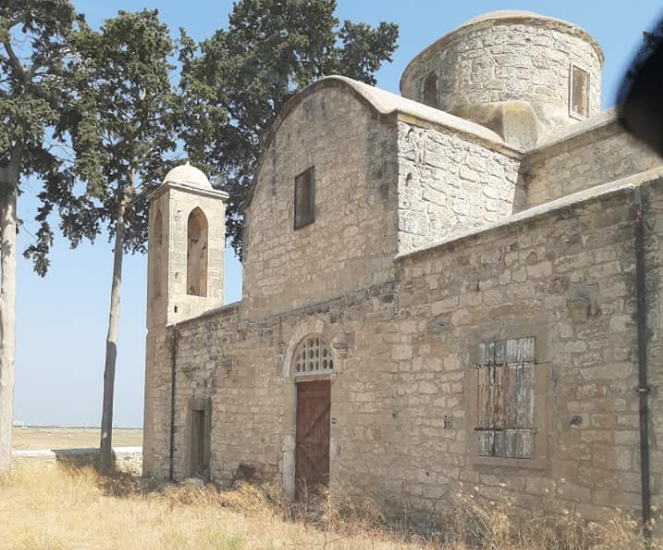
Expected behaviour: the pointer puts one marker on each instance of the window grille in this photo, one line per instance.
(313, 357)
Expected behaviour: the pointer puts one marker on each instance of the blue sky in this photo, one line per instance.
(62, 319)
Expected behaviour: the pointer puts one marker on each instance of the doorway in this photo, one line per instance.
(312, 437)
(199, 439)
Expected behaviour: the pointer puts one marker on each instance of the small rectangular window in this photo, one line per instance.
(505, 415)
(579, 92)
(304, 199)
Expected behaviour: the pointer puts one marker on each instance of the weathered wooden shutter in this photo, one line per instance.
(505, 416)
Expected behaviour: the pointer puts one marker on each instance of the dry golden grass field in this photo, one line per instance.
(58, 509)
(71, 438)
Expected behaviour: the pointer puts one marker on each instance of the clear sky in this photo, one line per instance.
(62, 319)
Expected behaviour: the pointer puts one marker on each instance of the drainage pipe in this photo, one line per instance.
(643, 386)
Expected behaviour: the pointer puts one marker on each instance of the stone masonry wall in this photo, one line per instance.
(567, 278)
(448, 184)
(403, 382)
(599, 151)
(244, 367)
(352, 241)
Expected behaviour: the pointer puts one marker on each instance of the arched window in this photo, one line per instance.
(430, 90)
(313, 357)
(196, 256)
(156, 253)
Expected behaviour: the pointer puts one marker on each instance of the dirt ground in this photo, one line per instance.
(71, 438)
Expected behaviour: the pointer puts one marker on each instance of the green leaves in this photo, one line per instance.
(126, 121)
(35, 99)
(235, 83)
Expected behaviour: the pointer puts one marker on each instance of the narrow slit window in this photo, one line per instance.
(505, 416)
(304, 199)
(196, 269)
(579, 92)
(430, 90)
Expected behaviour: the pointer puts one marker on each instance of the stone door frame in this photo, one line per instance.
(311, 327)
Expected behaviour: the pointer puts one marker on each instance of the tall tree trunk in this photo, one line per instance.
(9, 176)
(106, 444)
(7, 317)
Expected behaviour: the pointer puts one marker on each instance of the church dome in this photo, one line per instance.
(521, 74)
(188, 175)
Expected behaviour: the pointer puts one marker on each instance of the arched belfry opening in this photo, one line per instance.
(196, 256)
(157, 255)
(430, 90)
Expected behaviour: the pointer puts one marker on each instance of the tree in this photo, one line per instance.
(125, 128)
(235, 83)
(35, 97)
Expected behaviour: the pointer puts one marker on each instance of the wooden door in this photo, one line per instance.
(312, 442)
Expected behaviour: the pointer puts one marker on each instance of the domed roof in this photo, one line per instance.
(188, 175)
(502, 14)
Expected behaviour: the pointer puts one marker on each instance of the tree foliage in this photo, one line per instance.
(35, 98)
(235, 83)
(125, 129)
(35, 51)
(125, 123)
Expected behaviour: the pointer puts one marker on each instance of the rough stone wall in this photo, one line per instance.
(401, 393)
(448, 184)
(352, 241)
(156, 411)
(599, 152)
(501, 61)
(567, 278)
(244, 367)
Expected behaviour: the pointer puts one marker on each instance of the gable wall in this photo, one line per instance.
(352, 241)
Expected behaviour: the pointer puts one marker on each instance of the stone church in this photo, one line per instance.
(457, 287)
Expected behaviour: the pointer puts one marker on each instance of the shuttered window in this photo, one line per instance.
(505, 416)
(304, 199)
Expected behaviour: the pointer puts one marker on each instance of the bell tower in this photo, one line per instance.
(186, 247)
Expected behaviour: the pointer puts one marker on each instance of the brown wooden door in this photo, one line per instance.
(312, 443)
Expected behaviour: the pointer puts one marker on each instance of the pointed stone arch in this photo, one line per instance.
(197, 254)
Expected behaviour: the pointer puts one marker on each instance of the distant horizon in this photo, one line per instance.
(25, 425)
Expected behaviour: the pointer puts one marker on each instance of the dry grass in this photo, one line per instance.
(56, 509)
(71, 438)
